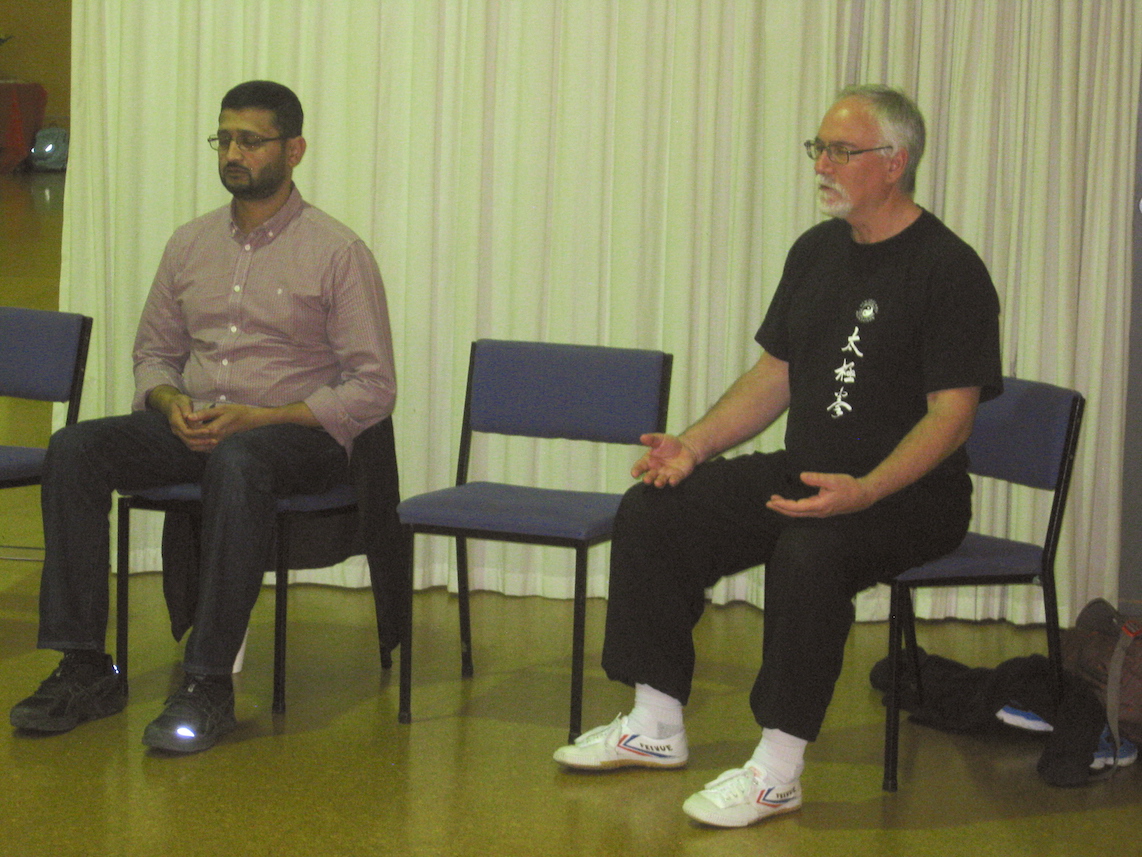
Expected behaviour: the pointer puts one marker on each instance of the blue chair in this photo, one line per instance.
(372, 496)
(1027, 436)
(43, 357)
(532, 389)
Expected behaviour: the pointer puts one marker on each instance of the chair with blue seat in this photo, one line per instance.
(537, 390)
(1027, 436)
(43, 357)
(371, 496)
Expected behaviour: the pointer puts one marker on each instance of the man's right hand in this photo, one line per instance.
(190, 426)
(667, 461)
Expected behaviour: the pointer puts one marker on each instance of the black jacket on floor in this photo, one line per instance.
(958, 698)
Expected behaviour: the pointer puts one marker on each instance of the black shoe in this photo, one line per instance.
(196, 716)
(79, 690)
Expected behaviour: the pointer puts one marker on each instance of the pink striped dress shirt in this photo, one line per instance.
(294, 311)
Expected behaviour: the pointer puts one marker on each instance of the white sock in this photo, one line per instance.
(780, 754)
(655, 714)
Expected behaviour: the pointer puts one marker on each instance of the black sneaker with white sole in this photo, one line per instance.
(85, 686)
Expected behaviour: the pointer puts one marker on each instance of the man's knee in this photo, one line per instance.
(646, 508)
(77, 445)
(69, 441)
(235, 464)
(635, 503)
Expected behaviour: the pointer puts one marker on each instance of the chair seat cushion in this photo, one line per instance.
(980, 559)
(497, 508)
(20, 462)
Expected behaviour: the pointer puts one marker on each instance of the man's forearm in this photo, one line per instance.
(747, 408)
(943, 430)
(297, 413)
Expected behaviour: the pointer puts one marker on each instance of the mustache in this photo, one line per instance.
(824, 183)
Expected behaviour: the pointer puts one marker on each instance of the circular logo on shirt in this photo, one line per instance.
(867, 311)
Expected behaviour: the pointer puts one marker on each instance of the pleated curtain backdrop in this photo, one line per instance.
(625, 172)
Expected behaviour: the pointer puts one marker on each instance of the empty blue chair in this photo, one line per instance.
(534, 389)
(1028, 435)
(43, 356)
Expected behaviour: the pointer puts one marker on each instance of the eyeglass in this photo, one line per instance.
(837, 153)
(246, 141)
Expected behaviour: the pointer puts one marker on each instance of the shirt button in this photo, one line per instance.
(225, 362)
(237, 288)
(248, 246)
(233, 328)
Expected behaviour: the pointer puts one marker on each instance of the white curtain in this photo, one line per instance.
(625, 172)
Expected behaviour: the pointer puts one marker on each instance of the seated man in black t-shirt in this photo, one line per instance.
(880, 342)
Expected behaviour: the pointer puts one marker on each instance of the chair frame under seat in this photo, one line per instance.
(27, 372)
(561, 408)
(336, 501)
(1027, 436)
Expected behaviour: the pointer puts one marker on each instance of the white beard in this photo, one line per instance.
(835, 203)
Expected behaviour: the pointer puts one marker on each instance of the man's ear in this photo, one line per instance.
(897, 161)
(295, 150)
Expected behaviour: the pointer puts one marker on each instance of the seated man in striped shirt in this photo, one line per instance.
(263, 350)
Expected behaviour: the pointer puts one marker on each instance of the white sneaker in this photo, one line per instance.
(613, 746)
(741, 797)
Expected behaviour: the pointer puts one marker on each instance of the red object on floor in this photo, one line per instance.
(21, 116)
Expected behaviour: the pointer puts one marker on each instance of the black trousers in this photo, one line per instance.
(670, 544)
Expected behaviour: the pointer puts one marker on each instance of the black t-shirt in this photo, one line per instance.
(868, 330)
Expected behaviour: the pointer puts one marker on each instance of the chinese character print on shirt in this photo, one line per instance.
(846, 373)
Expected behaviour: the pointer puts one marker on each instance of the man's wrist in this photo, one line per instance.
(160, 398)
(692, 447)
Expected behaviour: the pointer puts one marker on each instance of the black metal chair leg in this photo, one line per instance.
(122, 569)
(466, 668)
(281, 598)
(892, 703)
(404, 712)
(578, 630)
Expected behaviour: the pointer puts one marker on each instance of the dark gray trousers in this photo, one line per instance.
(240, 480)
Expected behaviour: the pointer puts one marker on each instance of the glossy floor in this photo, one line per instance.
(472, 775)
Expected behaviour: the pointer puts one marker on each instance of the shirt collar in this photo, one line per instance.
(268, 231)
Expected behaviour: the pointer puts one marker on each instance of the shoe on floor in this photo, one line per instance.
(1104, 755)
(1022, 718)
(83, 687)
(614, 746)
(196, 716)
(741, 797)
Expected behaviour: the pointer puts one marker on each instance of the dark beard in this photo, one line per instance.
(262, 188)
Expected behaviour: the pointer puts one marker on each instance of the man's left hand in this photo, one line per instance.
(221, 421)
(837, 494)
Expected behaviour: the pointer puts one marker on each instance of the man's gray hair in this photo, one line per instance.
(901, 124)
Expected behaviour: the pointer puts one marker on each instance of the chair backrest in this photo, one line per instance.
(579, 392)
(1027, 435)
(43, 355)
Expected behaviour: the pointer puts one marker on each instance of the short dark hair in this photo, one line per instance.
(267, 95)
